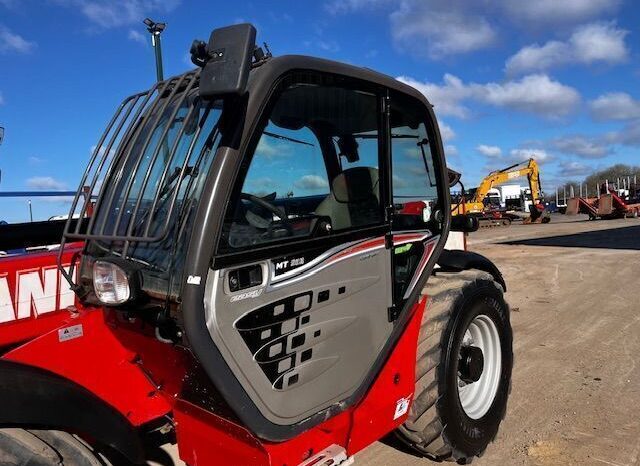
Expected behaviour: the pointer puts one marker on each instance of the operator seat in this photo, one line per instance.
(354, 199)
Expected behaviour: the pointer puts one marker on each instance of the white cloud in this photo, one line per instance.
(330, 46)
(271, 150)
(439, 29)
(629, 135)
(513, 157)
(489, 151)
(451, 151)
(33, 160)
(615, 106)
(446, 132)
(600, 42)
(45, 182)
(545, 12)
(535, 93)
(347, 6)
(11, 42)
(569, 168)
(137, 37)
(582, 146)
(446, 97)
(537, 57)
(520, 155)
(311, 183)
(107, 14)
(591, 43)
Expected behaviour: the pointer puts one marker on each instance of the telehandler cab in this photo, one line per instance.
(264, 281)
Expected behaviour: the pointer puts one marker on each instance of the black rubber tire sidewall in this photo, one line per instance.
(468, 436)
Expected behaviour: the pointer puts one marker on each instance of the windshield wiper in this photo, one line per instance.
(287, 138)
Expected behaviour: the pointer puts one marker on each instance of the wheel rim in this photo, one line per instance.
(477, 397)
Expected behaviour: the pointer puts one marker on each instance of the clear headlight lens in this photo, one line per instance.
(110, 283)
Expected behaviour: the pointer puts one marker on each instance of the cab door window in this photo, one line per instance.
(416, 194)
(314, 168)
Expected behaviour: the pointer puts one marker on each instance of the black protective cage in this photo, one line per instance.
(113, 155)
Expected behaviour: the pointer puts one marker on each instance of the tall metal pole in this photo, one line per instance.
(157, 45)
(30, 211)
(155, 29)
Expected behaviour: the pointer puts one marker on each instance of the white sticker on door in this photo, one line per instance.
(70, 333)
(402, 406)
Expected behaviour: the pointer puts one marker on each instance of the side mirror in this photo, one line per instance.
(454, 177)
(349, 148)
(465, 223)
(226, 60)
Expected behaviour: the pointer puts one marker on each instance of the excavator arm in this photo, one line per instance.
(528, 169)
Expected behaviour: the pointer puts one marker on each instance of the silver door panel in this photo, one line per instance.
(300, 343)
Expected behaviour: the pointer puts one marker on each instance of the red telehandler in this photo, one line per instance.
(258, 280)
(33, 292)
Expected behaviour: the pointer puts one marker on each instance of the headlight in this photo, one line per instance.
(110, 283)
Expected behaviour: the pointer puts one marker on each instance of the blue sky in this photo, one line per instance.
(554, 79)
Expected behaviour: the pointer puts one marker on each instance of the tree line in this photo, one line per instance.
(591, 182)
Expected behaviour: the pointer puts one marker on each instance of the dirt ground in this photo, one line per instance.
(574, 292)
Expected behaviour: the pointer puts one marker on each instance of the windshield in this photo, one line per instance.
(152, 188)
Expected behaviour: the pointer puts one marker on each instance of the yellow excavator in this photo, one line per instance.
(476, 205)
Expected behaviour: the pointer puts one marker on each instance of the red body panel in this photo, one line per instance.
(33, 295)
(133, 372)
(205, 439)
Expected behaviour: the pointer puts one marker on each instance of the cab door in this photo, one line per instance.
(416, 191)
(298, 298)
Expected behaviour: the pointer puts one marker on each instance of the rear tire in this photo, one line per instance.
(20, 447)
(438, 425)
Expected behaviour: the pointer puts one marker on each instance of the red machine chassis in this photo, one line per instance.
(155, 373)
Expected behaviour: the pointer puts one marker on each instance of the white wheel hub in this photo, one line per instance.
(476, 397)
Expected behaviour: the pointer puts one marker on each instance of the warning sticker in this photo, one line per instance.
(402, 406)
(69, 333)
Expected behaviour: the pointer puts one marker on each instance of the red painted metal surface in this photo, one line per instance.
(133, 372)
(33, 295)
(206, 439)
(382, 410)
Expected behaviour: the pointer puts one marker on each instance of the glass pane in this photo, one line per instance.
(415, 188)
(314, 169)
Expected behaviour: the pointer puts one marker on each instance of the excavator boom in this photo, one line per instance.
(528, 168)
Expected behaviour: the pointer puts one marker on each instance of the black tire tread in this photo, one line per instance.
(20, 447)
(423, 430)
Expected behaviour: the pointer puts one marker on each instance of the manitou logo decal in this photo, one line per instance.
(32, 293)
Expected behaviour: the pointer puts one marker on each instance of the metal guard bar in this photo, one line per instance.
(112, 155)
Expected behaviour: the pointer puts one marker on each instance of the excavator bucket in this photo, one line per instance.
(538, 213)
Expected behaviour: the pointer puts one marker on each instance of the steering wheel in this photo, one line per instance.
(271, 208)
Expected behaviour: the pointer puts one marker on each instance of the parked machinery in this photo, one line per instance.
(478, 206)
(254, 286)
